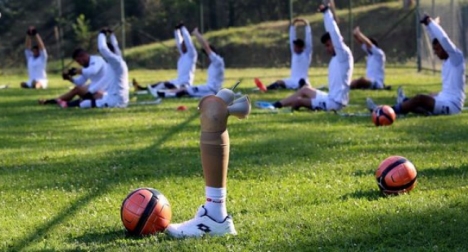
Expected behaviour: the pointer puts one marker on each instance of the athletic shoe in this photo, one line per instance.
(153, 91)
(201, 225)
(260, 85)
(370, 104)
(62, 103)
(400, 95)
(386, 87)
(264, 105)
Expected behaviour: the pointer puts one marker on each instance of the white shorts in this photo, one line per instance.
(200, 91)
(444, 107)
(43, 82)
(323, 102)
(293, 83)
(107, 101)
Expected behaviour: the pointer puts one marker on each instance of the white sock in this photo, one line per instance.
(216, 203)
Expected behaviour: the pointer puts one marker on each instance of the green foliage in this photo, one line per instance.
(300, 181)
(82, 32)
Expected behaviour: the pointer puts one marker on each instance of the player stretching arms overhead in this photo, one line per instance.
(340, 70)
(452, 97)
(36, 57)
(375, 70)
(186, 64)
(116, 94)
(215, 74)
(301, 56)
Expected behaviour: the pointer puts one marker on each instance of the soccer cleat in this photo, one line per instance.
(202, 224)
(400, 95)
(260, 85)
(370, 104)
(62, 103)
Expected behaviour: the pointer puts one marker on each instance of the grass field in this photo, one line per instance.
(300, 181)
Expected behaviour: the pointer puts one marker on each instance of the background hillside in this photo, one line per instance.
(248, 33)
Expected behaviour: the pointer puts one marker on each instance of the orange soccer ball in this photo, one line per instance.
(396, 175)
(383, 116)
(145, 211)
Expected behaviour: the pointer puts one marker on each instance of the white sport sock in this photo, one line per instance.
(216, 203)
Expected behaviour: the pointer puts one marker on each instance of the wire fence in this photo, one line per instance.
(242, 46)
(453, 15)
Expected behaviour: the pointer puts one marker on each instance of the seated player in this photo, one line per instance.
(452, 97)
(215, 74)
(186, 64)
(375, 70)
(94, 68)
(36, 58)
(212, 218)
(117, 92)
(340, 70)
(301, 56)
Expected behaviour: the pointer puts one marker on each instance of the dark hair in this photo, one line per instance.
(36, 47)
(111, 47)
(78, 52)
(213, 49)
(374, 42)
(325, 38)
(299, 43)
(435, 42)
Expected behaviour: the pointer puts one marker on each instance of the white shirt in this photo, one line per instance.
(375, 69)
(453, 68)
(36, 65)
(300, 62)
(186, 64)
(118, 87)
(340, 68)
(215, 72)
(96, 72)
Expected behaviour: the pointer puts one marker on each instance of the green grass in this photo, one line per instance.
(297, 181)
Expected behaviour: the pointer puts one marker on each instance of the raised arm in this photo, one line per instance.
(202, 41)
(188, 41)
(103, 48)
(436, 31)
(292, 36)
(27, 43)
(178, 39)
(115, 43)
(332, 28)
(362, 38)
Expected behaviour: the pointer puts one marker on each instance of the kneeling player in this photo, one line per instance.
(36, 57)
(452, 97)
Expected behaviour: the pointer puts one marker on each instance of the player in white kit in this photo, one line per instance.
(36, 57)
(116, 95)
(452, 97)
(94, 69)
(215, 74)
(375, 69)
(301, 57)
(186, 64)
(340, 70)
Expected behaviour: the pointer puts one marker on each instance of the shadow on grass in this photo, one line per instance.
(367, 195)
(440, 228)
(98, 190)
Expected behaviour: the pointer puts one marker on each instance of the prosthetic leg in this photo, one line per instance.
(212, 219)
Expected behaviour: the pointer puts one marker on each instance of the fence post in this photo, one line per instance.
(418, 38)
